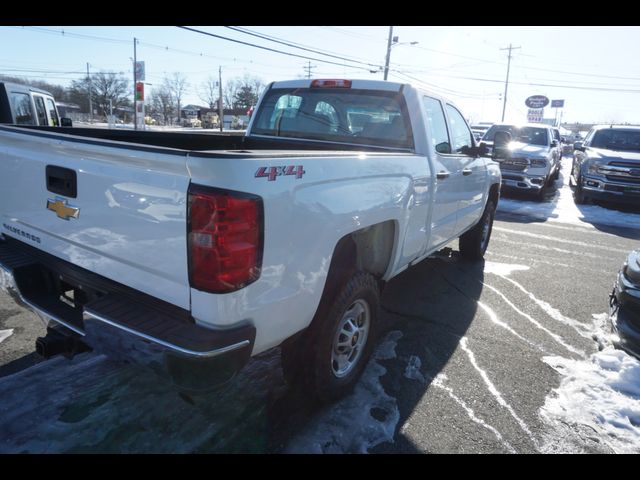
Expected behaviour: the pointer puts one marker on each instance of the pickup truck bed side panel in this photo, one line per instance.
(131, 225)
(336, 196)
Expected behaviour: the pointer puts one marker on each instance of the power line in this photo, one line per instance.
(269, 49)
(297, 45)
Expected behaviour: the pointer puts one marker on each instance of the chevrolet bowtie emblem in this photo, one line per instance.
(63, 210)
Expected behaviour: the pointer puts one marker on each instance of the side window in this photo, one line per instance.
(53, 113)
(41, 111)
(437, 125)
(460, 134)
(21, 103)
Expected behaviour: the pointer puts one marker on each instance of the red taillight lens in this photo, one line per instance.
(225, 239)
(331, 84)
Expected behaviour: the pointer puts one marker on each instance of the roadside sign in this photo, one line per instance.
(557, 103)
(537, 101)
(534, 115)
(140, 71)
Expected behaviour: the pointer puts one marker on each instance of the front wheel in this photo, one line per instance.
(473, 244)
(330, 357)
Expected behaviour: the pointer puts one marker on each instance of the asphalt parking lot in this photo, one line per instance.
(500, 356)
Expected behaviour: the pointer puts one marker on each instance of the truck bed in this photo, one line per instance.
(196, 141)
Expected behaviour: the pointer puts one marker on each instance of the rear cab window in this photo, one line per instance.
(355, 116)
(41, 110)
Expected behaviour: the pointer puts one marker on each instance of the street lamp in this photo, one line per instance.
(393, 41)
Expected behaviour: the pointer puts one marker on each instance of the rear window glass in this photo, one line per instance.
(530, 135)
(611, 139)
(365, 117)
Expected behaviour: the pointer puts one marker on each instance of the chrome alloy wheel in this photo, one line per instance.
(351, 338)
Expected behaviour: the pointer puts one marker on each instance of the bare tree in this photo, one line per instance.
(107, 89)
(176, 84)
(209, 91)
(161, 102)
(230, 89)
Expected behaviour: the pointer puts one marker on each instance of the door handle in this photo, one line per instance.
(467, 171)
(442, 175)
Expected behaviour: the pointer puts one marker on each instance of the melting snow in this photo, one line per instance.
(348, 425)
(602, 393)
(503, 269)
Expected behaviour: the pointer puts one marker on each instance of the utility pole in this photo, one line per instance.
(308, 68)
(386, 63)
(506, 84)
(90, 92)
(135, 82)
(220, 109)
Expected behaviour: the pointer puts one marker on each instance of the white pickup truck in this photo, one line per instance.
(193, 252)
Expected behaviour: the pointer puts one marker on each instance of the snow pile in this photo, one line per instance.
(562, 207)
(361, 420)
(4, 334)
(603, 394)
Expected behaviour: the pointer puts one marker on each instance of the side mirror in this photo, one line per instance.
(66, 122)
(578, 146)
(554, 143)
(501, 142)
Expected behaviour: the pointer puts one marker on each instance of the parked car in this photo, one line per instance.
(534, 160)
(26, 105)
(558, 138)
(624, 305)
(606, 166)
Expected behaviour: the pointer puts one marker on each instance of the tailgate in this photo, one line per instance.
(127, 220)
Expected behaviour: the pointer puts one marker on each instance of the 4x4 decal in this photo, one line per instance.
(272, 172)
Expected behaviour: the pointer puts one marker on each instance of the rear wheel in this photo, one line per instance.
(329, 357)
(473, 244)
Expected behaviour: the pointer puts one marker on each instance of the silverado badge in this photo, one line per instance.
(62, 210)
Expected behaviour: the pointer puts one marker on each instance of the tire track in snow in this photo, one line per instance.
(439, 382)
(555, 336)
(495, 392)
(559, 240)
(495, 319)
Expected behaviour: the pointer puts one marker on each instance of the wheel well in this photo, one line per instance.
(494, 194)
(368, 249)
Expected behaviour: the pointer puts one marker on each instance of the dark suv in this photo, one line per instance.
(606, 165)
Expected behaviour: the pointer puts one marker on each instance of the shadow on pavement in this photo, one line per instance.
(433, 305)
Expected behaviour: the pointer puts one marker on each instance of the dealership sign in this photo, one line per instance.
(557, 103)
(537, 101)
(534, 115)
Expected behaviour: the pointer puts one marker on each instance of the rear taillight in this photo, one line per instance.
(225, 230)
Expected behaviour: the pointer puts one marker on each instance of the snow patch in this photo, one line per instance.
(4, 334)
(348, 425)
(503, 269)
(602, 394)
(412, 370)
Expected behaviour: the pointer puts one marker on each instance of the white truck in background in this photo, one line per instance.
(193, 253)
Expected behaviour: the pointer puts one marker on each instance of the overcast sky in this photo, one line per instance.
(593, 69)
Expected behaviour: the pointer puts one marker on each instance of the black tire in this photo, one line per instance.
(473, 244)
(556, 174)
(579, 196)
(308, 361)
